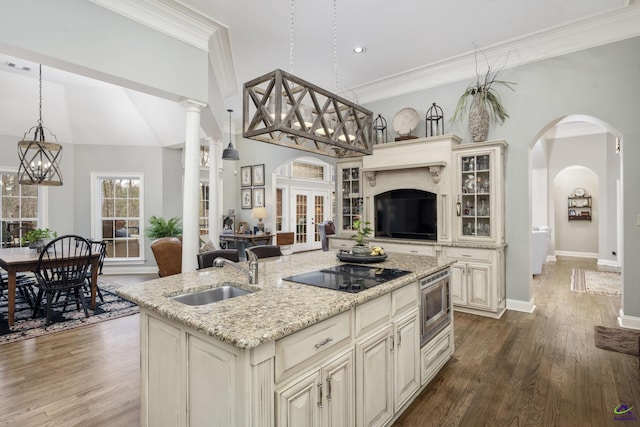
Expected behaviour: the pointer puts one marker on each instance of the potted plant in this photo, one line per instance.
(38, 238)
(160, 227)
(486, 106)
(362, 232)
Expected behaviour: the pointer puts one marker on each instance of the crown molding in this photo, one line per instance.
(184, 23)
(579, 35)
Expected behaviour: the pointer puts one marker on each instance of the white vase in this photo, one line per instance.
(478, 119)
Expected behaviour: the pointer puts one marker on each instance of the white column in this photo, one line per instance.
(215, 190)
(191, 190)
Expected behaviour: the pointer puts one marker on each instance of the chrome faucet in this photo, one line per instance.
(252, 272)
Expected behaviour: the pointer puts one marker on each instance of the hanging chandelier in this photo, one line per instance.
(280, 108)
(230, 153)
(39, 159)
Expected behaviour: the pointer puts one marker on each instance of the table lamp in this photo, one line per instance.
(259, 213)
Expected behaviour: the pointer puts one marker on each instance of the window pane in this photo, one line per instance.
(29, 208)
(307, 171)
(134, 207)
(134, 189)
(121, 207)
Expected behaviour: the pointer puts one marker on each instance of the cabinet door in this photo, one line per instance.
(458, 283)
(479, 279)
(339, 403)
(406, 358)
(299, 402)
(374, 387)
(350, 195)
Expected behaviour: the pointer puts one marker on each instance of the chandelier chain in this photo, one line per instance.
(291, 35)
(40, 106)
(335, 47)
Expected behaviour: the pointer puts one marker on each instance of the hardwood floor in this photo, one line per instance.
(539, 369)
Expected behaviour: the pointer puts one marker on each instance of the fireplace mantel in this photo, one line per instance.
(431, 153)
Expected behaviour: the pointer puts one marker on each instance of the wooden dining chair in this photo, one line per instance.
(100, 247)
(62, 266)
(205, 259)
(265, 251)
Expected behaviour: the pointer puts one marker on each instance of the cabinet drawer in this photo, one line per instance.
(372, 314)
(436, 353)
(469, 254)
(407, 249)
(404, 299)
(312, 343)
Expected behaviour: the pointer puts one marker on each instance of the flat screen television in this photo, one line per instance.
(406, 214)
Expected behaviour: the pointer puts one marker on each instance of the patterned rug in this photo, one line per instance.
(27, 327)
(596, 282)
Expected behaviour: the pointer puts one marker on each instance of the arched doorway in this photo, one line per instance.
(573, 153)
(304, 193)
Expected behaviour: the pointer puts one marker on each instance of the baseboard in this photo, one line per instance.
(524, 306)
(577, 254)
(551, 258)
(629, 322)
(608, 263)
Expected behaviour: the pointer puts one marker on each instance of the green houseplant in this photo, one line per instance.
(160, 227)
(38, 238)
(486, 106)
(362, 232)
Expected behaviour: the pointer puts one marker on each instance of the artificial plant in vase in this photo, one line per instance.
(486, 106)
(362, 232)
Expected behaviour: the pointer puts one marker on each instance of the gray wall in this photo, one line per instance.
(600, 82)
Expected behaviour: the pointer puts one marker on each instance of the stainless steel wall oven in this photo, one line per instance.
(435, 306)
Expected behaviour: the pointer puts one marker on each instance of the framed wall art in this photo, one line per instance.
(245, 198)
(245, 176)
(258, 197)
(258, 174)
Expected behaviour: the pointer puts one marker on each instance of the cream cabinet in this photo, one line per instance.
(322, 397)
(387, 360)
(374, 379)
(436, 353)
(477, 280)
(406, 358)
(349, 197)
(479, 186)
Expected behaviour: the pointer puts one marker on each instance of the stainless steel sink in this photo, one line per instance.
(211, 295)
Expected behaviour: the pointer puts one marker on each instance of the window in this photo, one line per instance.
(19, 205)
(118, 201)
(204, 208)
(303, 170)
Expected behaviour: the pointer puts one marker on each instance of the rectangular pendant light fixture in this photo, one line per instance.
(282, 109)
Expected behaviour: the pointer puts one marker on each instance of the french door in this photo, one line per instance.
(309, 208)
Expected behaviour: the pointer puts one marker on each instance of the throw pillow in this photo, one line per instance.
(207, 247)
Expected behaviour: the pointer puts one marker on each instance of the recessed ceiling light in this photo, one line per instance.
(359, 49)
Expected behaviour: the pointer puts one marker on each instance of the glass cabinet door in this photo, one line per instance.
(475, 195)
(351, 197)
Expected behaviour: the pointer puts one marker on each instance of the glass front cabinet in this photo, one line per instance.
(480, 188)
(350, 195)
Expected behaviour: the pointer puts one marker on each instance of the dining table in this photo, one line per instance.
(17, 260)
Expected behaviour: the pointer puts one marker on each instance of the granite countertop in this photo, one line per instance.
(277, 308)
(469, 244)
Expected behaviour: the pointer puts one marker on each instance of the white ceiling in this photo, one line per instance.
(400, 36)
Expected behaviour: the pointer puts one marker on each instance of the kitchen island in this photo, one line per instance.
(288, 353)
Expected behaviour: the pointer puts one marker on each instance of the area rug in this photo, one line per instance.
(596, 282)
(616, 339)
(26, 327)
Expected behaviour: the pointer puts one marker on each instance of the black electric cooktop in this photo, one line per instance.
(348, 277)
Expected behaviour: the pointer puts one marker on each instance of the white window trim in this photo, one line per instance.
(96, 228)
